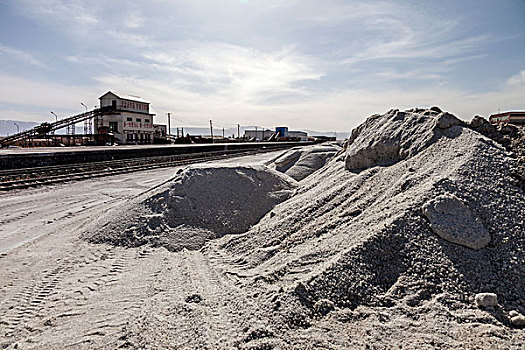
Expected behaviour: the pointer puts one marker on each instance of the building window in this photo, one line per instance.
(139, 120)
(129, 119)
(113, 126)
(146, 120)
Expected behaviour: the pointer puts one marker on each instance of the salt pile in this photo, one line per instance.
(301, 162)
(201, 203)
(391, 240)
(378, 226)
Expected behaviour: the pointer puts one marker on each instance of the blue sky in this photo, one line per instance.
(309, 64)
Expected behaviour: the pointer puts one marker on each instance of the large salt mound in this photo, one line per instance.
(221, 199)
(201, 203)
(301, 162)
(394, 136)
(356, 233)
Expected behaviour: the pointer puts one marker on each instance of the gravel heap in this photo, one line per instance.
(510, 136)
(301, 162)
(201, 203)
(387, 139)
(378, 226)
(412, 235)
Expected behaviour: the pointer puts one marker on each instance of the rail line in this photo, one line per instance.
(13, 179)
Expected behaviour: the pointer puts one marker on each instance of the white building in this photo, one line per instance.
(129, 121)
(298, 135)
(258, 134)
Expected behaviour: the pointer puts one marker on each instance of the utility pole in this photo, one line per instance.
(238, 131)
(222, 132)
(169, 124)
(256, 133)
(211, 131)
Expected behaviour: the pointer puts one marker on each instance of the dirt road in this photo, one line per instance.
(58, 291)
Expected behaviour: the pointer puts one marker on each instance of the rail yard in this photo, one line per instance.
(18, 178)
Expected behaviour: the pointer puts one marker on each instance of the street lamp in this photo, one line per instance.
(87, 122)
(56, 121)
(17, 128)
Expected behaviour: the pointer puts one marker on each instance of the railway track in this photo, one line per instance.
(30, 177)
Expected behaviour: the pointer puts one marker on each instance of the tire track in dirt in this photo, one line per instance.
(10, 219)
(25, 305)
(107, 286)
(220, 329)
(194, 305)
(28, 303)
(180, 308)
(92, 305)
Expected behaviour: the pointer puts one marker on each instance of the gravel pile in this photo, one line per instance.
(510, 136)
(419, 210)
(301, 162)
(201, 203)
(408, 236)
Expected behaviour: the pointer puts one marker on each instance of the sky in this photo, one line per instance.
(321, 65)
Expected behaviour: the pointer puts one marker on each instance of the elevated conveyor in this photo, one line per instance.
(46, 128)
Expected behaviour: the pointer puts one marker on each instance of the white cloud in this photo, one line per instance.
(517, 80)
(160, 57)
(122, 40)
(73, 13)
(15, 55)
(43, 95)
(400, 39)
(307, 63)
(133, 20)
(234, 72)
(241, 73)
